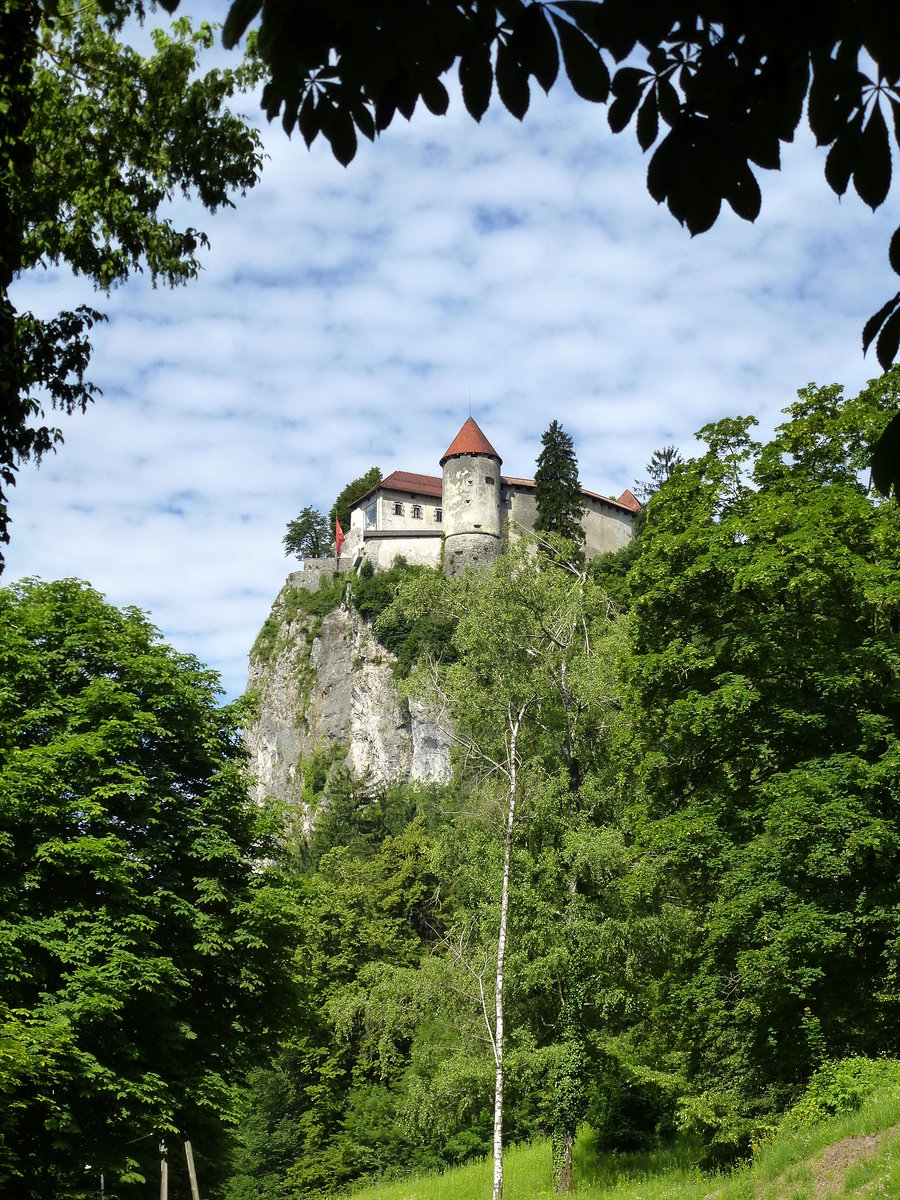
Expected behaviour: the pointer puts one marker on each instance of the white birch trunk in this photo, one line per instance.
(501, 956)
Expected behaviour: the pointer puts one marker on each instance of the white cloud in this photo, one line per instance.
(345, 318)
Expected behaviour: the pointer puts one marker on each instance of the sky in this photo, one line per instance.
(352, 317)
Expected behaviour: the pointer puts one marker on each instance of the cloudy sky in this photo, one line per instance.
(347, 318)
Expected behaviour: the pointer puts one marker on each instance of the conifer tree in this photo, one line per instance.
(660, 467)
(557, 490)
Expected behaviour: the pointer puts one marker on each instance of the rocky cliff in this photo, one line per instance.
(321, 680)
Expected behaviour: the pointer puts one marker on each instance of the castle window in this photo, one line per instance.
(438, 515)
(398, 509)
(489, 479)
(417, 511)
(370, 515)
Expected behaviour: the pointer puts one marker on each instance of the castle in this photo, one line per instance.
(459, 518)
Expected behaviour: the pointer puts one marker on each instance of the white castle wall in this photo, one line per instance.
(606, 527)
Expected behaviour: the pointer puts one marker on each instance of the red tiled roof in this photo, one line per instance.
(405, 481)
(432, 485)
(470, 440)
(629, 500)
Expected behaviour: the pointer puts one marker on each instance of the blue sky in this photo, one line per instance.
(346, 318)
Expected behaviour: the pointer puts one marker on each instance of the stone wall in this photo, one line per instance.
(471, 503)
(419, 549)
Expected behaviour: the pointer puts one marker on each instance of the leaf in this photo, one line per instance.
(658, 170)
(744, 195)
(308, 119)
(872, 172)
(365, 122)
(886, 459)
(338, 127)
(668, 102)
(406, 95)
(627, 86)
(535, 45)
(647, 121)
(385, 107)
(584, 63)
(827, 112)
(842, 157)
(435, 97)
(875, 322)
(240, 14)
(894, 251)
(895, 110)
(476, 79)
(512, 81)
(888, 341)
(702, 211)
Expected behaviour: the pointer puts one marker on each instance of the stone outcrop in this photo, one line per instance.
(321, 681)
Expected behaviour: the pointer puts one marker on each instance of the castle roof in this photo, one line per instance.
(470, 440)
(432, 485)
(629, 500)
(405, 481)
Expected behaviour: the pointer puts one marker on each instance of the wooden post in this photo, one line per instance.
(189, 1155)
(163, 1172)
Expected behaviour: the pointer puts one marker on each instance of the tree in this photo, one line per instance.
(94, 140)
(340, 510)
(528, 688)
(307, 535)
(557, 491)
(145, 943)
(713, 90)
(765, 674)
(660, 467)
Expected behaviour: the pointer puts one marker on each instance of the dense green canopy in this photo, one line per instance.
(142, 946)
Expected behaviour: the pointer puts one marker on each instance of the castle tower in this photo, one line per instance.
(471, 500)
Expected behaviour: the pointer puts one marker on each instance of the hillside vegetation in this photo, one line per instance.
(811, 1156)
(660, 891)
(648, 933)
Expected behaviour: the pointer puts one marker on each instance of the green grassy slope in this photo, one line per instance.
(857, 1154)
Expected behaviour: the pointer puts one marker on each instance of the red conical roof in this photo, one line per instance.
(470, 440)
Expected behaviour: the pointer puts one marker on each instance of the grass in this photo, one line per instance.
(857, 1155)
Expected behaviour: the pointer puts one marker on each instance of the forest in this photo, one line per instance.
(657, 897)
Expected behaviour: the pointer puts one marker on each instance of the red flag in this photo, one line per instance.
(339, 538)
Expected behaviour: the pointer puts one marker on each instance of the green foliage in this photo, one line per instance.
(557, 491)
(307, 535)
(331, 1107)
(611, 571)
(94, 140)
(144, 944)
(340, 510)
(765, 681)
(704, 898)
(841, 1086)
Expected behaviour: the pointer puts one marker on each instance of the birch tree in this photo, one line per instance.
(524, 689)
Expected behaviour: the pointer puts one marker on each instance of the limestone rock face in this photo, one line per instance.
(321, 681)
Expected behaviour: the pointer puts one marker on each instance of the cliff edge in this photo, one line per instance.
(325, 679)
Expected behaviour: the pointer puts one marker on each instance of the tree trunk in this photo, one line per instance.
(501, 957)
(565, 1180)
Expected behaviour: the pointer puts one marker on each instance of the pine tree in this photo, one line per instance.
(660, 467)
(557, 490)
